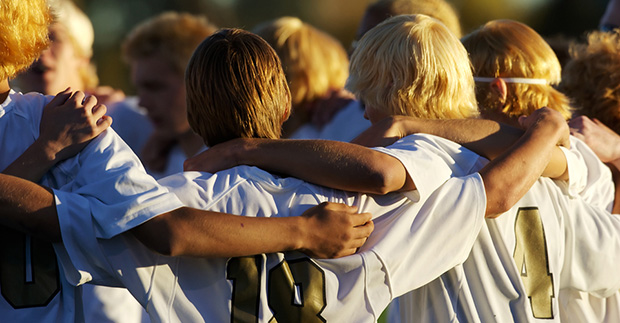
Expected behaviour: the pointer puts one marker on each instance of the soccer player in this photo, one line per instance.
(480, 298)
(316, 66)
(291, 287)
(113, 187)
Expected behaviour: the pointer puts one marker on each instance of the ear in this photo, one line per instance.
(287, 113)
(499, 88)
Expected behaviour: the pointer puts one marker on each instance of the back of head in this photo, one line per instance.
(172, 36)
(236, 88)
(24, 34)
(591, 78)
(314, 62)
(78, 25)
(510, 49)
(383, 9)
(413, 65)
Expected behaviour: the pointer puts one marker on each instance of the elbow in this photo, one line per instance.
(383, 182)
(160, 236)
(499, 206)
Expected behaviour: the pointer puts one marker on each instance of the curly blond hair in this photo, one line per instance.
(314, 62)
(507, 48)
(591, 78)
(413, 65)
(23, 34)
(172, 35)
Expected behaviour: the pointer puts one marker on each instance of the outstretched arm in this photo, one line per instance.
(69, 122)
(328, 230)
(325, 231)
(509, 176)
(334, 164)
(485, 137)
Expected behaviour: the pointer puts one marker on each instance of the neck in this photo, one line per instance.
(4, 90)
(190, 142)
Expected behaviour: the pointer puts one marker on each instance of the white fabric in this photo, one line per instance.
(347, 124)
(412, 244)
(110, 179)
(597, 189)
(581, 242)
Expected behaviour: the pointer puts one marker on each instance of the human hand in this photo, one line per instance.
(214, 159)
(335, 230)
(549, 119)
(69, 122)
(384, 132)
(603, 141)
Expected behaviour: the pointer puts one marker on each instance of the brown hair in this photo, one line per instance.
(314, 62)
(591, 78)
(236, 88)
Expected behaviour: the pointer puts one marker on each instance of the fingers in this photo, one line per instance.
(363, 231)
(61, 97)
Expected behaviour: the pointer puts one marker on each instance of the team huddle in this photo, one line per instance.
(424, 177)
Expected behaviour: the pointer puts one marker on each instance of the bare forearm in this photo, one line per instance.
(508, 177)
(33, 163)
(29, 208)
(212, 234)
(487, 138)
(333, 164)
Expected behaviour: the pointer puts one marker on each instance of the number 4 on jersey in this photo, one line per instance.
(531, 258)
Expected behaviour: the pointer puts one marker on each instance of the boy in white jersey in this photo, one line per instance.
(515, 72)
(106, 174)
(355, 288)
(368, 83)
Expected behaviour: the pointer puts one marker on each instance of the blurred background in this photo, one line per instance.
(113, 19)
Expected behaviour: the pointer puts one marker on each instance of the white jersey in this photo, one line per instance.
(412, 243)
(106, 173)
(346, 124)
(519, 262)
(596, 188)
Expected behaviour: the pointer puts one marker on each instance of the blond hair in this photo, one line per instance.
(24, 34)
(506, 48)
(173, 36)
(236, 88)
(438, 9)
(314, 62)
(591, 80)
(413, 65)
(81, 34)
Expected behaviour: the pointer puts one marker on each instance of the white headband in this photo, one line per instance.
(521, 80)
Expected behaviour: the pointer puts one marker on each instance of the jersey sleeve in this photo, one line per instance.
(431, 160)
(436, 238)
(593, 179)
(113, 181)
(592, 239)
(79, 255)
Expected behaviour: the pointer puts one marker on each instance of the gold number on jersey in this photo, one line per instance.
(19, 289)
(283, 281)
(245, 274)
(296, 290)
(532, 260)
